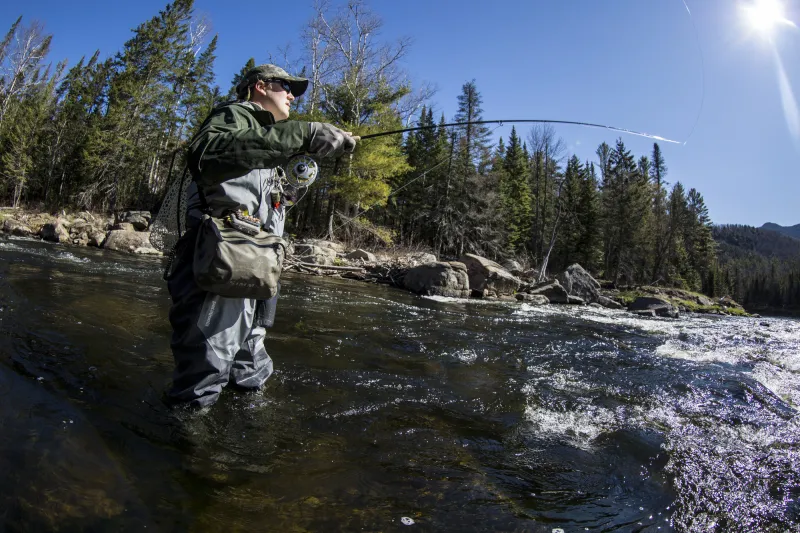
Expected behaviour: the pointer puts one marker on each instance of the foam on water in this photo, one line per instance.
(578, 427)
(732, 453)
(770, 351)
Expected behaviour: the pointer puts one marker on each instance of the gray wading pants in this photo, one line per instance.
(214, 339)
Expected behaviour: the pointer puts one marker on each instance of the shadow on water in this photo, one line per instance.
(462, 416)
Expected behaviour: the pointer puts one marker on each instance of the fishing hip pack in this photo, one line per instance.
(235, 264)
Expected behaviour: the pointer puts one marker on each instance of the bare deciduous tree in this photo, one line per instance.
(21, 54)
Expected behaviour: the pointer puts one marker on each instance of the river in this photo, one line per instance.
(388, 412)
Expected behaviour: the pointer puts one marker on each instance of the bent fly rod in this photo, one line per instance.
(536, 121)
(302, 170)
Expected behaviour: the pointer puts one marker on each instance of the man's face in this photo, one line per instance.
(274, 96)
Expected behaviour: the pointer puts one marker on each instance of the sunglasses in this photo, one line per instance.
(283, 83)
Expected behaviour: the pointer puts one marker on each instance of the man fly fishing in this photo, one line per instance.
(235, 162)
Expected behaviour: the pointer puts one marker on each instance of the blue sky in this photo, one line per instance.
(634, 64)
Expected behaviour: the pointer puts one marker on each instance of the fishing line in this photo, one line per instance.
(529, 120)
(702, 70)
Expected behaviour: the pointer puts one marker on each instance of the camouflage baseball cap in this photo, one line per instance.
(270, 72)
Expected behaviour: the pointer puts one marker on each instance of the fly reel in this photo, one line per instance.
(301, 171)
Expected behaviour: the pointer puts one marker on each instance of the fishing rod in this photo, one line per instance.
(302, 170)
(517, 121)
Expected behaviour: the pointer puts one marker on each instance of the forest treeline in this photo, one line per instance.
(109, 134)
(761, 267)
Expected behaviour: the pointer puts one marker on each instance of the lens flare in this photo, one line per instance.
(764, 15)
(790, 110)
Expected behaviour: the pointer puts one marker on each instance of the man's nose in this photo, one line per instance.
(291, 97)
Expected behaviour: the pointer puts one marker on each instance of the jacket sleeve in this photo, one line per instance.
(226, 148)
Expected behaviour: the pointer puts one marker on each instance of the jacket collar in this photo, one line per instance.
(264, 117)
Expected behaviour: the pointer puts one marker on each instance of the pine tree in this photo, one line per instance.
(626, 205)
(676, 256)
(472, 155)
(570, 233)
(515, 194)
(251, 63)
(699, 240)
(589, 246)
(658, 171)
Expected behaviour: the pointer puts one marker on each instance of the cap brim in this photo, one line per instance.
(298, 85)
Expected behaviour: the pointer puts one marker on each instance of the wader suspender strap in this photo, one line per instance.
(204, 207)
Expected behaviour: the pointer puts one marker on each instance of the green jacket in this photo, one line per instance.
(239, 137)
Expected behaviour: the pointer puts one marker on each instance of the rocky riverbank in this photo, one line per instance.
(471, 276)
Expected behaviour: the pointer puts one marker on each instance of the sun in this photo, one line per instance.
(764, 15)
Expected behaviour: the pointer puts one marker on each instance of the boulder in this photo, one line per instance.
(530, 274)
(14, 227)
(554, 292)
(487, 278)
(81, 239)
(578, 282)
(595, 305)
(420, 258)
(54, 232)
(727, 301)
(360, 255)
(704, 300)
(532, 299)
(513, 266)
(438, 278)
(128, 216)
(658, 306)
(318, 255)
(78, 225)
(123, 226)
(608, 302)
(645, 312)
(575, 300)
(138, 221)
(96, 238)
(127, 241)
(335, 246)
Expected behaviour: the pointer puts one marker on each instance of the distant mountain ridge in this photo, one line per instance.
(737, 241)
(791, 231)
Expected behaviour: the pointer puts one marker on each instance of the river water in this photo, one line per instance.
(388, 412)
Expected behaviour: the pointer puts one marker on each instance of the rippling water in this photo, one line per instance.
(388, 412)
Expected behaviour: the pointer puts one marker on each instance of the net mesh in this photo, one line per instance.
(170, 223)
